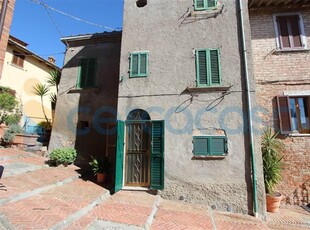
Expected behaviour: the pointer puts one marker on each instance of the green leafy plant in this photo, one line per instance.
(272, 159)
(41, 90)
(12, 119)
(11, 133)
(100, 165)
(8, 105)
(63, 155)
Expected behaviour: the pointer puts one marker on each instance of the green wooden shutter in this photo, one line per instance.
(211, 3)
(200, 146)
(91, 72)
(215, 67)
(218, 146)
(201, 67)
(134, 65)
(200, 5)
(82, 73)
(119, 156)
(157, 157)
(143, 64)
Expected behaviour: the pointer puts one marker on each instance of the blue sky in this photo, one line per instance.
(33, 25)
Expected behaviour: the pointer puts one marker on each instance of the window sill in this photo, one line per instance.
(17, 66)
(207, 89)
(278, 51)
(209, 157)
(84, 90)
(299, 135)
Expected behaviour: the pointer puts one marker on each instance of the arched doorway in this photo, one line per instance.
(139, 152)
(138, 149)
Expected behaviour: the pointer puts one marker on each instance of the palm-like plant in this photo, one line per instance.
(272, 159)
(54, 79)
(41, 90)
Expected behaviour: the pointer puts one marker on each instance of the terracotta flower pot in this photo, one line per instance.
(273, 201)
(101, 177)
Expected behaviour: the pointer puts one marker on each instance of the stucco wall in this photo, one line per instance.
(276, 72)
(22, 80)
(170, 31)
(90, 105)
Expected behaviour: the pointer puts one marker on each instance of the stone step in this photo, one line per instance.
(55, 208)
(21, 186)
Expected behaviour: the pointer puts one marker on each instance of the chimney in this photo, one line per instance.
(51, 59)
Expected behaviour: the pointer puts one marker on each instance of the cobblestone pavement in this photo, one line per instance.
(36, 196)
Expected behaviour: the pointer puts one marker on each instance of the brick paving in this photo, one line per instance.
(55, 198)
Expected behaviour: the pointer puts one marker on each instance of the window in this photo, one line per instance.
(138, 64)
(289, 31)
(294, 114)
(208, 67)
(210, 145)
(204, 4)
(18, 59)
(87, 73)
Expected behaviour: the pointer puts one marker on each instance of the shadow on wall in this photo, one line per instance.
(87, 102)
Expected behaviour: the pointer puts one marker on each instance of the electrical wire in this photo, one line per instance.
(71, 16)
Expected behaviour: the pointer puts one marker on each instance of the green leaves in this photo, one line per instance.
(272, 159)
(40, 89)
(63, 155)
(100, 165)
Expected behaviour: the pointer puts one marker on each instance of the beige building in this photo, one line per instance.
(22, 69)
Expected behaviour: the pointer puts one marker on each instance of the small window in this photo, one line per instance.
(138, 64)
(204, 4)
(294, 114)
(87, 73)
(208, 71)
(289, 31)
(18, 59)
(209, 146)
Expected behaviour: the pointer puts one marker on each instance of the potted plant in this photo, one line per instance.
(100, 167)
(16, 135)
(273, 165)
(63, 156)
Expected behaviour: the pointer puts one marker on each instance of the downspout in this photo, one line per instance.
(249, 111)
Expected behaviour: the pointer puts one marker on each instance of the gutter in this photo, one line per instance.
(249, 111)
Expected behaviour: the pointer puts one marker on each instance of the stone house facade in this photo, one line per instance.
(6, 15)
(168, 105)
(87, 98)
(182, 104)
(280, 42)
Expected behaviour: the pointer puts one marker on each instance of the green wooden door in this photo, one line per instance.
(157, 155)
(119, 156)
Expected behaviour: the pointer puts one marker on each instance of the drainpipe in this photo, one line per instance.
(248, 99)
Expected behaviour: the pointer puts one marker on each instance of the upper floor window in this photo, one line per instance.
(138, 64)
(289, 31)
(204, 4)
(87, 73)
(208, 71)
(294, 114)
(18, 59)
